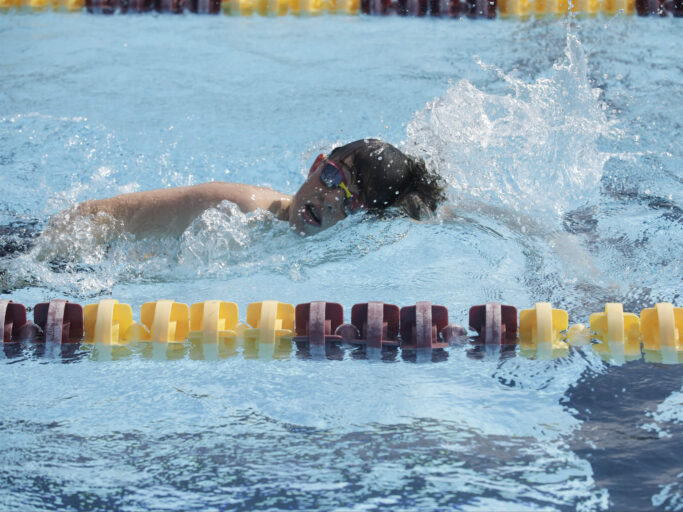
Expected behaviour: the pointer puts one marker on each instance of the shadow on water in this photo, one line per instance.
(628, 457)
(18, 236)
(245, 465)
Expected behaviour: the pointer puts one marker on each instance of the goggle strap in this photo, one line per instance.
(343, 186)
(318, 159)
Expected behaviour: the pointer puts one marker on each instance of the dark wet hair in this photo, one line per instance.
(387, 177)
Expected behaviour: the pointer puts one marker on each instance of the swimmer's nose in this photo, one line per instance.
(331, 201)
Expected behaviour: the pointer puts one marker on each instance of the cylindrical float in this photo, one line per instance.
(609, 7)
(412, 7)
(481, 9)
(647, 7)
(195, 6)
(137, 6)
(504, 8)
(587, 7)
(559, 7)
(521, 8)
(172, 6)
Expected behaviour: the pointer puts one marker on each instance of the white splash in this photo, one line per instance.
(533, 150)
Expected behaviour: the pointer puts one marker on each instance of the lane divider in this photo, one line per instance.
(421, 331)
(518, 9)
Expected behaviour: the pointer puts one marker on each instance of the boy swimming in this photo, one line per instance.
(365, 175)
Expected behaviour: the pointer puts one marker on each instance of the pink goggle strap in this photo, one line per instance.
(318, 159)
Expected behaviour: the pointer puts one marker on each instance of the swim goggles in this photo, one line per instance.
(332, 176)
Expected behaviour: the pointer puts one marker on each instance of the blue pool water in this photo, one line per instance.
(561, 147)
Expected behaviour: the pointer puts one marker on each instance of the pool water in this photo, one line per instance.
(561, 147)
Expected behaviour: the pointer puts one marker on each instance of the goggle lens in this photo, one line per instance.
(332, 177)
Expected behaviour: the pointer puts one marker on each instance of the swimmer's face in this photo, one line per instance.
(315, 206)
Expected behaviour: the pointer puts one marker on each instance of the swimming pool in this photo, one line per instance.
(563, 157)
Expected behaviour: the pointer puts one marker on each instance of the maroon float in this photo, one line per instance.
(495, 323)
(412, 7)
(60, 320)
(421, 326)
(137, 5)
(374, 325)
(316, 323)
(101, 6)
(647, 7)
(15, 325)
(481, 8)
(204, 6)
(380, 7)
(172, 6)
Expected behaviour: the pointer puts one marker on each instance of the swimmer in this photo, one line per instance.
(365, 175)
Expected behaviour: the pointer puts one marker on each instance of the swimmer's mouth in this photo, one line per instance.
(310, 215)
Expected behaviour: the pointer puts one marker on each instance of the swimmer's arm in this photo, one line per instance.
(172, 210)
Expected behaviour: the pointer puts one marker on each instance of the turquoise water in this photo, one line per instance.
(562, 152)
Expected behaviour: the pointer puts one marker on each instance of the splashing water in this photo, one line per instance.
(534, 150)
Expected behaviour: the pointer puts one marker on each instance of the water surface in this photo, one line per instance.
(561, 150)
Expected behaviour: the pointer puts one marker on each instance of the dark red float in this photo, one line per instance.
(495, 323)
(15, 325)
(422, 325)
(60, 320)
(316, 323)
(374, 325)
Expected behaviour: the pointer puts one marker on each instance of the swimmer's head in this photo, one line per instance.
(364, 175)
